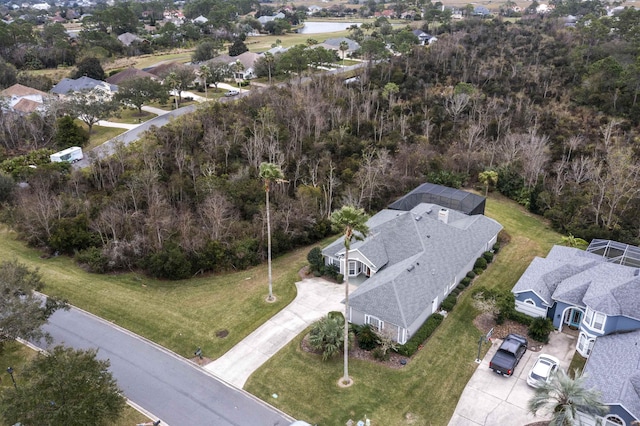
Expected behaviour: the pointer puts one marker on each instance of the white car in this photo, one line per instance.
(232, 93)
(542, 370)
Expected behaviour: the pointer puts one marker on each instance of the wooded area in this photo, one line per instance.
(552, 109)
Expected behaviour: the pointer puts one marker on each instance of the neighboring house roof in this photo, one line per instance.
(418, 255)
(335, 42)
(451, 198)
(128, 38)
(162, 69)
(26, 106)
(247, 59)
(201, 20)
(581, 278)
(20, 90)
(129, 74)
(83, 83)
(613, 368)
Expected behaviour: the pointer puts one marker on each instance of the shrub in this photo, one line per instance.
(331, 271)
(480, 263)
(449, 302)
(72, 234)
(471, 275)
(93, 259)
(455, 291)
(488, 256)
(316, 262)
(496, 248)
(423, 333)
(540, 328)
(461, 287)
(466, 281)
(381, 355)
(340, 278)
(170, 262)
(367, 338)
(478, 271)
(317, 273)
(327, 335)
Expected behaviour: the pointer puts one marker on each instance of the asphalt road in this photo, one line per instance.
(171, 388)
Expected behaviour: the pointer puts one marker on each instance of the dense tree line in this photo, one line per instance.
(535, 102)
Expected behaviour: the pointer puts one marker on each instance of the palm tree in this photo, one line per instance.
(269, 173)
(205, 76)
(562, 397)
(269, 59)
(172, 81)
(344, 46)
(352, 222)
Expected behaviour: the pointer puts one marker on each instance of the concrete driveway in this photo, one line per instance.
(316, 297)
(491, 400)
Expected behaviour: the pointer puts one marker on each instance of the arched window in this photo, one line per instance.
(530, 302)
(613, 420)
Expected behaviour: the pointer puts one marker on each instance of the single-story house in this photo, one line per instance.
(481, 11)
(247, 59)
(613, 369)
(24, 99)
(264, 18)
(130, 74)
(128, 38)
(590, 291)
(410, 261)
(424, 38)
(69, 85)
(200, 20)
(334, 44)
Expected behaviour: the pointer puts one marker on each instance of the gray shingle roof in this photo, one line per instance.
(619, 353)
(436, 251)
(83, 83)
(583, 279)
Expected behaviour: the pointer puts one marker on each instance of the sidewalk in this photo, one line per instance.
(316, 297)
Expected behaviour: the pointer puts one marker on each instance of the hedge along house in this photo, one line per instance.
(408, 264)
(596, 291)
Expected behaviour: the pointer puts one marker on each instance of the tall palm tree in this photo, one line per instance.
(205, 76)
(344, 46)
(270, 173)
(352, 222)
(563, 397)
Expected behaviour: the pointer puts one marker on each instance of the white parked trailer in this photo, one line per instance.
(70, 155)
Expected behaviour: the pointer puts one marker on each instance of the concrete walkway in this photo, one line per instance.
(316, 297)
(127, 126)
(154, 110)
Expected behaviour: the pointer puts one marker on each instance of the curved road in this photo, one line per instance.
(175, 390)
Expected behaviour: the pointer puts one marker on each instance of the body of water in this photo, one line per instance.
(325, 27)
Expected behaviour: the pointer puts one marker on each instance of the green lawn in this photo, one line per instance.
(180, 315)
(132, 116)
(426, 391)
(17, 355)
(100, 135)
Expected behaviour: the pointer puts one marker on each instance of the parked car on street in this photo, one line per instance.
(232, 93)
(509, 354)
(543, 370)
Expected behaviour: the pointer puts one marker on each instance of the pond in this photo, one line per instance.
(325, 27)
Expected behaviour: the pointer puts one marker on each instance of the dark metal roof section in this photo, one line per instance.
(451, 198)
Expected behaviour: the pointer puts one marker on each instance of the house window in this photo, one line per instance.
(352, 268)
(585, 344)
(376, 323)
(598, 321)
(530, 302)
(594, 320)
(613, 420)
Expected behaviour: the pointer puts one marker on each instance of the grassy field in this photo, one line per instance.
(101, 134)
(17, 356)
(180, 315)
(424, 392)
(132, 116)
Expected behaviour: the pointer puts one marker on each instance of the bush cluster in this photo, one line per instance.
(488, 256)
(471, 275)
(449, 303)
(540, 328)
(481, 263)
(423, 333)
(367, 338)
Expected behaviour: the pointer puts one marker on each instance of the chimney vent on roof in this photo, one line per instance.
(418, 218)
(636, 272)
(443, 215)
(410, 268)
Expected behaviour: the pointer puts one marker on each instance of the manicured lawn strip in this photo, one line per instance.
(178, 315)
(17, 355)
(132, 116)
(425, 391)
(101, 134)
